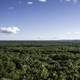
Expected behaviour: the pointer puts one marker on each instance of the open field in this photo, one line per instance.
(40, 60)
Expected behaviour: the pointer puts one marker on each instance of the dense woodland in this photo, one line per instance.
(39, 60)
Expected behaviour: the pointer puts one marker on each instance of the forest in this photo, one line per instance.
(40, 60)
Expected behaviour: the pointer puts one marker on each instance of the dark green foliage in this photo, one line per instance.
(53, 60)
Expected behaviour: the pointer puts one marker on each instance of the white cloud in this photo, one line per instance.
(43, 0)
(67, 0)
(73, 33)
(11, 8)
(9, 29)
(20, 2)
(75, 1)
(30, 3)
(61, 0)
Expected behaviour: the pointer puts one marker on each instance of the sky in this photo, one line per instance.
(39, 19)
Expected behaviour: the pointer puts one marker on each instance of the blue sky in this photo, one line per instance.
(39, 19)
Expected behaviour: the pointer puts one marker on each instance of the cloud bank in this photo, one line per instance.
(13, 30)
(72, 33)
